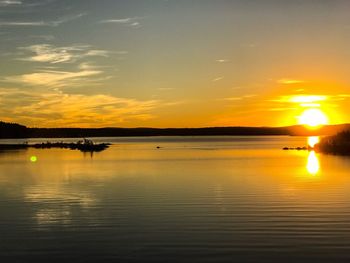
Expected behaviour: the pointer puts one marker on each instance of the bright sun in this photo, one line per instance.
(313, 118)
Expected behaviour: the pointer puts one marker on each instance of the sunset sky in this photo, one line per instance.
(173, 63)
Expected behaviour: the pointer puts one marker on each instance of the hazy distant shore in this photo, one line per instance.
(10, 130)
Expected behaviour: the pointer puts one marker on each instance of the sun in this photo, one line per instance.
(313, 118)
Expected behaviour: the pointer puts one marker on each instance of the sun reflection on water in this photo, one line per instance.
(313, 140)
(313, 164)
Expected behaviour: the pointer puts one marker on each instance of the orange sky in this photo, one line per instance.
(171, 63)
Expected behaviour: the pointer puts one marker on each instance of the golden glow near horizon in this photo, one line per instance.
(311, 108)
(308, 98)
(313, 164)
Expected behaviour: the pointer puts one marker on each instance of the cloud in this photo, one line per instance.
(289, 102)
(290, 81)
(53, 23)
(122, 21)
(281, 109)
(233, 98)
(10, 2)
(130, 21)
(218, 79)
(21, 23)
(296, 101)
(54, 78)
(247, 96)
(299, 99)
(222, 60)
(66, 19)
(25, 4)
(55, 73)
(59, 109)
(52, 54)
(344, 95)
(97, 53)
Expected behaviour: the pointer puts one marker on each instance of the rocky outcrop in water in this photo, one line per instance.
(81, 146)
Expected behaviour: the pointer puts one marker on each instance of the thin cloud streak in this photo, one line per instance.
(68, 54)
(246, 96)
(10, 3)
(130, 21)
(301, 98)
(222, 60)
(218, 79)
(290, 81)
(54, 23)
(55, 73)
(53, 78)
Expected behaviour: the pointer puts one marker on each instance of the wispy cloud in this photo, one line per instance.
(289, 81)
(306, 101)
(301, 98)
(10, 2)
(233, 98)
(344, 95)
(24, 23)
(281, 109)
(53, 23)
(59, 109)
(97, 53)
(246, 96)
(223, 60)
(340, 97)
(66, 19)
(51, 78)
(296, 101)
(218, 79)
(130, 21)
(52, 54)
(55, 73)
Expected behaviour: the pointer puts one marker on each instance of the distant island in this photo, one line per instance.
(13, 130)
(83, 146)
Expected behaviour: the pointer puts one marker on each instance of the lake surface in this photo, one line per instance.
(196, 199)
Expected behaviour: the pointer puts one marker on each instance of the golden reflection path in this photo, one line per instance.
(313, 140)
(313, 164)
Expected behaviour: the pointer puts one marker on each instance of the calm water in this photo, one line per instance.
(219, 199)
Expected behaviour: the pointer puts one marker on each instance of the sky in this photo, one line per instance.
(173, 63)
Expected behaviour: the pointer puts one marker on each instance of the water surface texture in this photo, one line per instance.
(195, 199)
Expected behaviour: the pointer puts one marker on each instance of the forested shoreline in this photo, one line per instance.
(14, 130)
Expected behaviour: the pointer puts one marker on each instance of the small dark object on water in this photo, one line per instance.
(158, 147)
(296, 148)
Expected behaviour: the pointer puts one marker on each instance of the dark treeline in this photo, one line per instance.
(13, 130)
(338, 144)
(125, 132)
(9, 130)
